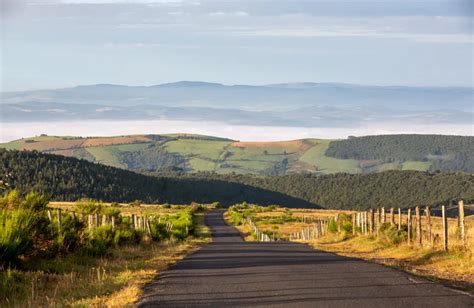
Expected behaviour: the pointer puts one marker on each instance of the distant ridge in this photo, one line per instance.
(192, 153)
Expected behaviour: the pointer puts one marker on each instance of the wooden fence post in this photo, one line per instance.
(384, 216)
(418, 225)
(365, 222)
(428, 225)
(50, 217)
(91, 219)
(409, 226)
(113, 223)
(379, 219)
(392, 218)
(133, 221)
(461, 223)
(60, 221)
(358, 220)
(445, 228)
(353, 224)
(399, 218)
(371, 221)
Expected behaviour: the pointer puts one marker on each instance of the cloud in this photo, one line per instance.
(148, 2)
(361, 33)
(221, 13)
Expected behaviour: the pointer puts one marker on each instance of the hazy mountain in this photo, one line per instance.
(291, 104)
(265, 97)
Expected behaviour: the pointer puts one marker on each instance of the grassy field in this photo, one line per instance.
(323, 164)
(455, 267)
(115, 279)
(204, 153)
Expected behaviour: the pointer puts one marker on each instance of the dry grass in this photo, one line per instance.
(104, 141)
(455, 267)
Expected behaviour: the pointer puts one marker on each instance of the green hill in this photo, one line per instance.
(68, 179)
(186, 153)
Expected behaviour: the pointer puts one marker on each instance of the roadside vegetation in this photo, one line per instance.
(88, 252)
(387, 244)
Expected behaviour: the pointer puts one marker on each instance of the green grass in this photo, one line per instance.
(105, 155)
(416, 165)
(110, 155)
(316, 156)
(202, 148)
(12, 145)
(199, 164)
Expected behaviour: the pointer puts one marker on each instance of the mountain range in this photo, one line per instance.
(289, 104)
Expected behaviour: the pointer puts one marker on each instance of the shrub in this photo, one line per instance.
(17, 230)
(69, 237)
(332, 225)
(98, 240)
(21, 220)
(126, 236)
(88, 206)
(391, 235)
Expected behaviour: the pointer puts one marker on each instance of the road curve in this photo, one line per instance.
(231, 272)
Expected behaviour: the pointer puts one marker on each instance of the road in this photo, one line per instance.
(231, 272)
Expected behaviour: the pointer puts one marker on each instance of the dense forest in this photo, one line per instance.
(69, 179)
(447, 153)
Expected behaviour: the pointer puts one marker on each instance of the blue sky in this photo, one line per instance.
(60, 43)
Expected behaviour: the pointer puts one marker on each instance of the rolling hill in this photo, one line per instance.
(186, 153)
(68, 179)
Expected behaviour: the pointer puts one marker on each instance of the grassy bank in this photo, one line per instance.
(113, 279)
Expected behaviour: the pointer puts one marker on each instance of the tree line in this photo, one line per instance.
(447, 153)
(69, 179)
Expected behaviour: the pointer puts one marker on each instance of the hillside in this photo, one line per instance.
(186, 153)
(68, 179)
(445, 153)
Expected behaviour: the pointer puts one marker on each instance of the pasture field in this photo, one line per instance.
(455, 266)
(205, 153)
(62, 276)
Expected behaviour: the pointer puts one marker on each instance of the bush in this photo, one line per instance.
(332, 226)
(21, 220)
(389, 234)
(98, 240)
(69, 238)
(88, 206)
(126, 236)
(17, 230)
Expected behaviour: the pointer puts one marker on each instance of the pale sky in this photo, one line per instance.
(60, 43)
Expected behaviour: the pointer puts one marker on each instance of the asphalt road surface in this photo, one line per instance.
(230, 272)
